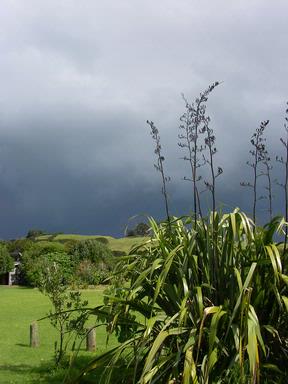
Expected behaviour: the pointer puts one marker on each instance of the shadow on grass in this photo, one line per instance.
(121, 374)
(51, 375)
(23, 345)
(27, 287)
(63, 375)
(46, 373)
(16, 368)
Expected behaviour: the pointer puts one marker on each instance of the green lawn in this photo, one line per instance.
(123, 244)
(18, 362)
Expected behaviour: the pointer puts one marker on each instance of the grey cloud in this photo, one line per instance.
(79, 81)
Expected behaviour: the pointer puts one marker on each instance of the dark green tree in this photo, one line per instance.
(33, 233)
(92, 250)
(35, 258)
(19, 245)
(6, 261)
(141, 229)
(93, 261)
(35, 270)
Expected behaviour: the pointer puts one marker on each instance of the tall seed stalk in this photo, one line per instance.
(267, 173)
(212, 150)
(192, 122)
(211, 186)
(284, 161)
(258, 156)
(159, 166)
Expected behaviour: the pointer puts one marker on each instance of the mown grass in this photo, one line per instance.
(124, 244)
(18, 362)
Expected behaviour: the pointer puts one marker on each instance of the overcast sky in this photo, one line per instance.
(79, 79)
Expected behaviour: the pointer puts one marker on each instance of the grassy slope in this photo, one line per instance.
(123, 244)
(18, 362)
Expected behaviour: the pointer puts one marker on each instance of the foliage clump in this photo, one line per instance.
(94, 261)
(141, 229)
(82, 263)
(33, 233)
(6, 261)
(181, 323)
(36, 258)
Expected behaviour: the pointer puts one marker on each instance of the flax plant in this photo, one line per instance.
(177, 328)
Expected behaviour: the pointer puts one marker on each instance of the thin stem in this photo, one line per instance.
(159, 167)
(269, 188)
(259, 154)
(286, 195)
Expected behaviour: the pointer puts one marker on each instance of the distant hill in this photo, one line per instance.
(123, 244)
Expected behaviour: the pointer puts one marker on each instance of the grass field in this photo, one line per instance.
(123, 244)
(18, 362)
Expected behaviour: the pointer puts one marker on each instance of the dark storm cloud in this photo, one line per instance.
(54, 175)
(79, 80)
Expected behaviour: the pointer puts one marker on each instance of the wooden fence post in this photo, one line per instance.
(91, 340)
(34, 335)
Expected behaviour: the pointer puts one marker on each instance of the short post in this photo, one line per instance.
(34, 335)
(91, 340)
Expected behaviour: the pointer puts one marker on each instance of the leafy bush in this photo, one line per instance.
(6, 261)
(91, 250)
(87, 273)
(141, 229)
(211, 305)
(69, 245)
(20, 245)
(86, 262)
(34, 268)
(34, 250)
(94, 262)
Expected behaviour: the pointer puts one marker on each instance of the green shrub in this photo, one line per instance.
(69, 245)
(86, 262)
(92, 250)
(141, 229)
(6, 261)
(44, 247)
(87, 273)
(34, 268)
(211, 305)
(20, 245)
(93, 260)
